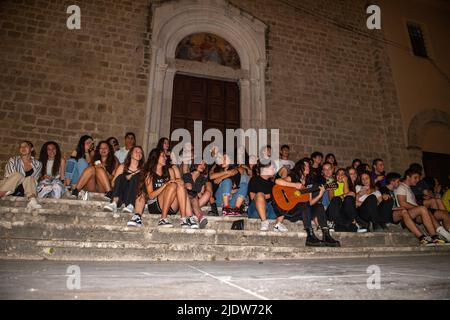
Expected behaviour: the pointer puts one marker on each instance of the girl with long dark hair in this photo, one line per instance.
(331, 158)
(52, 174)
(98, 176)
(164, 144)
(369, 201)
(126, 181)
(229, 178)
(300, 174)
(79, 160)
(166, 193)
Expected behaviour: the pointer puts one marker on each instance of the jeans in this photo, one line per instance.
(74, 169)
(270, 211)
(225, 187)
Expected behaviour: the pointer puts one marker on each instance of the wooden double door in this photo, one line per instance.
(214, 102)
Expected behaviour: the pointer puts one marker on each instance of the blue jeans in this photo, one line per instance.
(74, 169)
(225, 190)
(253, 213)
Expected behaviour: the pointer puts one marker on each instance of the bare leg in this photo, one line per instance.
(260, 202)
(280, 219)
(409, 222)
(102, 179)
(87, 179)
(183, 201)
(139, 204)
(196, 206)
(422, 215)
(441, 205)
(239, 202)
(166, 198)
(443, 216)
(203, 200)
(225, 202)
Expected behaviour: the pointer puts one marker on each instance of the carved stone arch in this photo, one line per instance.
(416, 126)
(172, 22)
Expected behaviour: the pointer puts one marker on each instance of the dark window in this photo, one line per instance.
(417, 40)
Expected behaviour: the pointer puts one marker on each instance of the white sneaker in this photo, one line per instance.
(33, 204)
(330, 225)
(129, 208)
(360, 229)
(444, 233)
(112, 207)
(264, 226)
(85, 196)
(279, 227)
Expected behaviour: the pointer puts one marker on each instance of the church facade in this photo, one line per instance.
(311, 69)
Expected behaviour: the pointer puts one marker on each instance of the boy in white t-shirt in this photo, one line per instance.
(284, 165)
(407, 200)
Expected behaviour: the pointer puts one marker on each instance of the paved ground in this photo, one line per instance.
(401, 278)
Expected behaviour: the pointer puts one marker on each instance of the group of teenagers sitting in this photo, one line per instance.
(364, 198)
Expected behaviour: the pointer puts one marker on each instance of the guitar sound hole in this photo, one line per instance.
(285, 196)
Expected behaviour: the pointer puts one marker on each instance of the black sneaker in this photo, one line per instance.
(108, 195)
(213, 211)
(185, 223)
(135, 221)
(164, 223)
(75, 192)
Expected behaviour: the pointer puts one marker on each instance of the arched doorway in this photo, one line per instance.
(173, 22)
(428, 137)
(213, 102)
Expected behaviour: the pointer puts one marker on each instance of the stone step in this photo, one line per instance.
(59, 231)
(89, 217)
(132, 251)
(272, 238)
(16, 214)
(100, 232)
(59, 204)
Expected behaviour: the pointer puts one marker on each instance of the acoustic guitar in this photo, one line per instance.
(287, 198)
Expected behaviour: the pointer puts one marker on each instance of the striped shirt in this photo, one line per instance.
(15, 164)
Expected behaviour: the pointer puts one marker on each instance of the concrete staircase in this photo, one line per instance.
(79, 230)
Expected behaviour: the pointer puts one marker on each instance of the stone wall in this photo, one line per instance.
(327, 88)
(59, 84)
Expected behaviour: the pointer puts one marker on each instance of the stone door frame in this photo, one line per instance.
(174, 20)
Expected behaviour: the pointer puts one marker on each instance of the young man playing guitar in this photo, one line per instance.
(300, 175)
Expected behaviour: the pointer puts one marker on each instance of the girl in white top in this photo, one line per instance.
(52, 175)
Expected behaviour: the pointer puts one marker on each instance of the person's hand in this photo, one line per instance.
(321, 190)
(46, 177)
(379, 178)
(298, 185)
(344, 178)
(386, 197)
(188, 186)
(233, 172)
(364, 190)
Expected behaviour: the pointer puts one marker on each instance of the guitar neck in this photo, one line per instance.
(315, 188)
